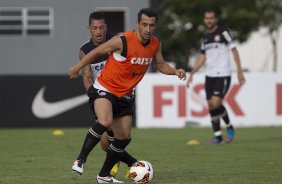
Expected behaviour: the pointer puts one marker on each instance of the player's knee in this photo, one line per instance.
(213, 105)
(105, 120)
(122, 132)
(124, 135)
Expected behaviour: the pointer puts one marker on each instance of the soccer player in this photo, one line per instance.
(98, 30)
(131, 53)
(216, 43)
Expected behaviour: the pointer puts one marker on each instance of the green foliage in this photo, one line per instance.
(272, 14)
(181, 22)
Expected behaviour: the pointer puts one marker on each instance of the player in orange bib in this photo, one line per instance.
(124, 70)
(131, 53)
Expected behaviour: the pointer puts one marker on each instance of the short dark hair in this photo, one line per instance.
(211, 10)
(148, 12)
(96, 15)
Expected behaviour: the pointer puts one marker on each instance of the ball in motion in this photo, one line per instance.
(141, 172)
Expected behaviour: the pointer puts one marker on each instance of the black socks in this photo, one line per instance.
(216, 115)
(92, 138)
(116, 153)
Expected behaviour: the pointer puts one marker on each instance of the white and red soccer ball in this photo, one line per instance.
(141, 172)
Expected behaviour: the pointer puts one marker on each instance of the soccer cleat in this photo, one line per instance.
(216, 140)
(127, 173)
(107, 179)
(230, 134)
(78, 166)
(114, 170)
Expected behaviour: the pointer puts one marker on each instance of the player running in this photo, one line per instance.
(215, 47)
(98, 31)
(131, 53)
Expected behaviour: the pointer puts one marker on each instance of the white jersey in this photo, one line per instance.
(216, 47)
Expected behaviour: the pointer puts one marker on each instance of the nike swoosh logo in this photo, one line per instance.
(107, 181)
(149, 168)
(43, 109)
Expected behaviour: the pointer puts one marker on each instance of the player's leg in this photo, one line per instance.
(106, 139)
(124, 116)
(229, 127)
(123, 111)
(217, 109)
(213, 104)
(103, 110)
(224, 86)
(122, 127)
(110, 136)
(116, 151)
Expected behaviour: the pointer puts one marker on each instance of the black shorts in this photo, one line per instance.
(217, 86)
(122, 106)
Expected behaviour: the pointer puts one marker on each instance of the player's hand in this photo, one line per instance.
(189, 81)
(241, 78)
(73, 72)
(181, 74)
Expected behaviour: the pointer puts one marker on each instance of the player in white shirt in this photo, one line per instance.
(216, 44)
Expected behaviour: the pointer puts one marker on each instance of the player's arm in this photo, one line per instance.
(113, 44)
(232, 46)
(87, 73)
(199, 63)
(237, 59)
(165, 68)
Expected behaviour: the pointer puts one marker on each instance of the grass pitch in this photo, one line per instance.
(36, 156)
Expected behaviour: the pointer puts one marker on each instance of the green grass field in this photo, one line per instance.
(36, 156)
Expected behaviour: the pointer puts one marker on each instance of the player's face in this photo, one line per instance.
(146, 27)
(98, 30)
(210, 20)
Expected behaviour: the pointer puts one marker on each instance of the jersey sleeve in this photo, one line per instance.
(229, 39)
(202, 47)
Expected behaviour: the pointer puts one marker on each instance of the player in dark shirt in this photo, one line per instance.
(98, 30)
(91, 72)
(216, 43)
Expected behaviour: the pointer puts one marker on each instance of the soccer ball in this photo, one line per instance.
(141, 172)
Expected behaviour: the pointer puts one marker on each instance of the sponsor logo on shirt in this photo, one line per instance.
(217, 38)
(97, 67)
(141, 61)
